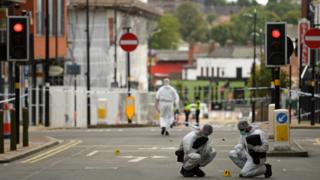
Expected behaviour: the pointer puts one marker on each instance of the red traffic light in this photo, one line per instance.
(275, 33)
(18, 27)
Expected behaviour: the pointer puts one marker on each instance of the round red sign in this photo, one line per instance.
(129, 42)
(312, 38)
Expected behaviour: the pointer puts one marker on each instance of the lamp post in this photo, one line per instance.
(253, 95)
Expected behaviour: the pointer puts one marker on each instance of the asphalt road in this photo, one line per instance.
(142, 154)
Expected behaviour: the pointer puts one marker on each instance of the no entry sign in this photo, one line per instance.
(312, 38)
(129, 42)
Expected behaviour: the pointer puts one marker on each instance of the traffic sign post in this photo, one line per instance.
(282, 129)
(129, 42)
(303, 50)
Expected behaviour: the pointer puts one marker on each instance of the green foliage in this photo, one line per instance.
(222, 32)
(193, 26)
(168, 35)
(246, 2)
(282, 8)
(264, 77)
(215, 2)
(291, 17)
(211, 17)
(243, 23)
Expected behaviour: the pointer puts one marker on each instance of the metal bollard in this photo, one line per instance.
(1, 133)
(25, 129)
(13, 137)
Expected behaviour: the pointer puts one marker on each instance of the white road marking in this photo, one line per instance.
(137, 159)
(100, 168)
(159, 157)
(128, 157)
(92, 153)
(317, 141)
(120, 130)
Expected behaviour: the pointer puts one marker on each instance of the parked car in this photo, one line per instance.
(204, 112)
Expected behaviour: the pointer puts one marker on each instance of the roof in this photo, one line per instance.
(130, 6)
(172, 55)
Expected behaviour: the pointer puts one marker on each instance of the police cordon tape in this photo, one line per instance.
(305, 114)
(12, 99)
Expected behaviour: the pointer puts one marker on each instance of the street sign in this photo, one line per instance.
(312, 38)
(129, 42)
(282, 118)
(303, 50)
(282, 127)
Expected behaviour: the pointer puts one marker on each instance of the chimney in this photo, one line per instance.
(191, 53)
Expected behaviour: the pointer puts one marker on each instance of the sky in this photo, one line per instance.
(258, 1)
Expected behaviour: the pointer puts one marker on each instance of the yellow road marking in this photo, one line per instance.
(52, 152)
(48, 152)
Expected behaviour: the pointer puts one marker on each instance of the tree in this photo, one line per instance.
(242, 23)
(264, 77)
(246, 2)
(211, 17)
(215, 2)
(193, 26)
(283, 7)
(291, 17)
(221, 33)
(168, 35)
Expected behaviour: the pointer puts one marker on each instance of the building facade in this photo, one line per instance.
(108, 18)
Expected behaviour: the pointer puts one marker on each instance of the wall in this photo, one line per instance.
(228, 65)
(62, 106)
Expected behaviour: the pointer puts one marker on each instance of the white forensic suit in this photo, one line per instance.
(167, 96)
(196, 157)
(241, 157)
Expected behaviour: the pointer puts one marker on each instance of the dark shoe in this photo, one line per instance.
(268, 171)
(167, 133)
(241, 176)
(186, 173)
(198, 172)
(163, 129)
(186, 124)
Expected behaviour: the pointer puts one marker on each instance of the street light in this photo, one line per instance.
(254, 16)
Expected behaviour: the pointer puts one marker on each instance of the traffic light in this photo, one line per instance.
(276, 44)
(18, 38)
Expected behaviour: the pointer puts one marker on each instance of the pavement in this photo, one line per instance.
(142, 153)
(36, 144)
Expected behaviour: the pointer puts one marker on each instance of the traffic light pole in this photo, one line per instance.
(253, 105)
(313, 64)
(88, 65)
(46, 68)
(277, 87)
(17, 101)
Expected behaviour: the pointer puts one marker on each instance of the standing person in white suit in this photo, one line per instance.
(250, 154)
(166, 97)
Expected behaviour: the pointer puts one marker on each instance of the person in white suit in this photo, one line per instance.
(166, 98)
(250, 154)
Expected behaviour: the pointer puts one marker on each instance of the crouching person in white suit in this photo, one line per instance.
(250, 154)
(195, 152)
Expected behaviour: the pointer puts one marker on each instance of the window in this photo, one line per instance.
(111, 35)
(201, 71)
(218, 72)
(212, 72)
(60, 17)
(207, 71)
(40, 17)
(239, 73)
